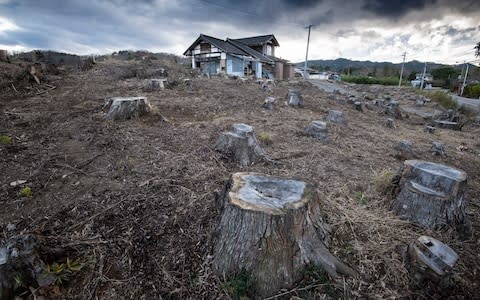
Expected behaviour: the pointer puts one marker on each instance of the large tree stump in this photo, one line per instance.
(241, 145)
(3, 55)
(430, 259)
(123, 108)
(432, 195)
(272, 228)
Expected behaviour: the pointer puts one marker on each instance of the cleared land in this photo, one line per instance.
(134, 201)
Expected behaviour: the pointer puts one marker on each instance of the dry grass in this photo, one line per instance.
(139, 196)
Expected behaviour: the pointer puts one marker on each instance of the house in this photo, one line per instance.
(253, 56)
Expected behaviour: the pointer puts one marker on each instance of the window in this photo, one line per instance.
(269, 50)
(205, 47)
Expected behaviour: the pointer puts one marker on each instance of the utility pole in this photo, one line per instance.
(306, 55)
(401, 72)
(423, 75)
(464, 80)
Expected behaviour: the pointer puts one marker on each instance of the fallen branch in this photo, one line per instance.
(47, 90)
(15, 89)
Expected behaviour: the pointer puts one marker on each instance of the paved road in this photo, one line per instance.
(470, 103)
(330, 86)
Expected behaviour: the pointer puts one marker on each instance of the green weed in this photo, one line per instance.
(26, 192)
(5, 140)
(265, 138)
(361, 198)
(240, 286)
(62, 271)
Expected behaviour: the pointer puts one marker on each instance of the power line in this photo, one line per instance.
(235, 9)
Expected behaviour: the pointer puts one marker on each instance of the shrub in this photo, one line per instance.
(445, 101)
(371, 80)
(472, 91)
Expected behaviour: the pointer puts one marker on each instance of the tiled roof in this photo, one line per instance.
(259, 40)
(252, 52)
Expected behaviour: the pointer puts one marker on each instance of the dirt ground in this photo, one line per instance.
(134, 201)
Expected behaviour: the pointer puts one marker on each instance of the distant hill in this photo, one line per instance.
(356, 67)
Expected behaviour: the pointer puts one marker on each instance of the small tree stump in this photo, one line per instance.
(358, 106)
(272, 228)
(335, 116)
(430, 259)
(438, 149)
(4, 55)
(294, 98)
(123, 108)
(430, 129)
(241, 145)
(317, 129)
(432, 195)
(156, 84)
(269, 103)
(389, 123)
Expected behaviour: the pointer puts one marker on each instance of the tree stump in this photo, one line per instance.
(389, 123)
(269, 103)
(358, 106)
(156, 84)
(430, 259)
(123, 108)
(405, 149)
(271, 228)
(3, 55)
(432, 195)
(430, 129)
(317, 129)
(294, 98)
(438, 149)
(335, 116)
(241, 145)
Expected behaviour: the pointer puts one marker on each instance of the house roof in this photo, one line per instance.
(221, 44)
(259, 40)
(237, 46)
(252, 52)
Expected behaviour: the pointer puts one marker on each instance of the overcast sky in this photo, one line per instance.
(443, 31)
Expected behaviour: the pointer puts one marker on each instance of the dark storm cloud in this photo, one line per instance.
(395, 8)
(161, 24)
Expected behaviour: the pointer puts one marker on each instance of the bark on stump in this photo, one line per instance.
(430, 259)
(317, 129)
(123, 108)
(438, 149)
(432, 196)
(430, 129)
(241, 145)
(294, 98)
(271, 228)
(335, 116)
